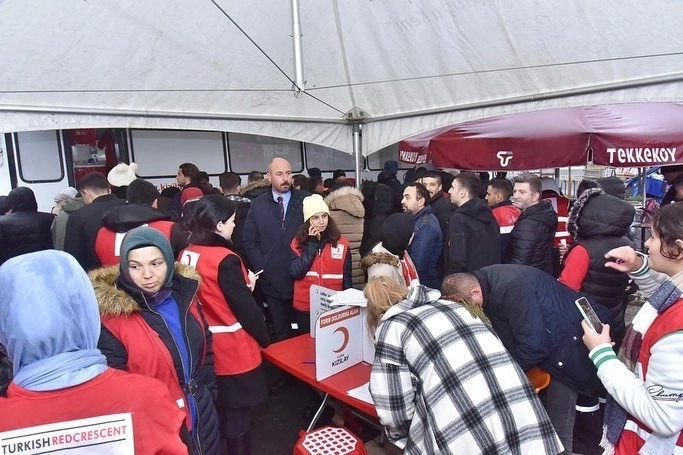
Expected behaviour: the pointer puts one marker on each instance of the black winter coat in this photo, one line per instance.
(379, 204)
(535, 317)
(114, 298)
(266, 240)
(473, 238)
(532, 237)
(442, 210)
(123, 218)
(600, 223)
(25, 230)
(82, 227)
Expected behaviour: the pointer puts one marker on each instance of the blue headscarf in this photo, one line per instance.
(49, 321)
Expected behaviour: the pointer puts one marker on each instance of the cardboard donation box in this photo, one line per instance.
(341, 336)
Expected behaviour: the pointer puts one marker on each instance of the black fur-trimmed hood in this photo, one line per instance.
(596, 214)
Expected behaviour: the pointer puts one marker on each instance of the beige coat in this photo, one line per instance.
(347, 211)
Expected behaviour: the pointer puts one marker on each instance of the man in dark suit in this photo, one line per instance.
(270, 226)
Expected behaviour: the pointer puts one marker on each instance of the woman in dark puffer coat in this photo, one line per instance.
(598, 223)
(152, 324)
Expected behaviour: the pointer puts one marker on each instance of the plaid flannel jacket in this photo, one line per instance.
(442, 383)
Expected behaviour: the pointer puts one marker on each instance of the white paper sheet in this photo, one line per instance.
(362, 393)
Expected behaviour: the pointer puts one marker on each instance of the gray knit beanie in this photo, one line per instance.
(141, 237)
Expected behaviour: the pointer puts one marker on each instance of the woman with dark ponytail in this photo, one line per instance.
(234, 318)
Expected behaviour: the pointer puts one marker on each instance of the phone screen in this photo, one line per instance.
(588, 314)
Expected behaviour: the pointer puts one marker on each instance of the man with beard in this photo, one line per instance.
(271, 224)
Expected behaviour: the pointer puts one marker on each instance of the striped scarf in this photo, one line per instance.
(665, 296)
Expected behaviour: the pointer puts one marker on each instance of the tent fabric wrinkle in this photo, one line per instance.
(410, 67)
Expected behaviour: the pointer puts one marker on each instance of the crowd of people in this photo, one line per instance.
(470, 282)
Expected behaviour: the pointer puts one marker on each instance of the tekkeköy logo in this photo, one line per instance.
(504, 156)
(638, 155)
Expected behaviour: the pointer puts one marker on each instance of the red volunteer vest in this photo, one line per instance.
(506, 216)
(235, 351)
(561, 206)
(670, 321)
(408, 269)
(327, 270)
(147, 354)
(108, 243)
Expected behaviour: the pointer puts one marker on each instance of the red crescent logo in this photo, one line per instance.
(345, 333)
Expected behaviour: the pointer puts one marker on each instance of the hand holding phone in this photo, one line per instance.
(589, 314)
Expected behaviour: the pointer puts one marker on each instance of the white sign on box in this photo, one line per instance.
(338, 343)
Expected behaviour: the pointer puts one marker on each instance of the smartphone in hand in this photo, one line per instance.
(589, 314)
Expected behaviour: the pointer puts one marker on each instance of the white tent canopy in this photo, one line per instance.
(398, 67)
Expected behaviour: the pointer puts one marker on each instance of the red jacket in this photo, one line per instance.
(147, 354)
(108, 243)
(156, 419)
(327, 270)
(235, 351)
(670, 321)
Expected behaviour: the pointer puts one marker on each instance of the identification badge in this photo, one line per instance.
(338, 252)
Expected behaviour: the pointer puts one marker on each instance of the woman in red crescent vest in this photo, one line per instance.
(152, 325)
(644, 413)
(320, 255)
(234, 318)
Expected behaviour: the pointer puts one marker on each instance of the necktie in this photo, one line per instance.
(282, 208)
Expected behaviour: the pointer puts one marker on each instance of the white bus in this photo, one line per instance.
(49, 161)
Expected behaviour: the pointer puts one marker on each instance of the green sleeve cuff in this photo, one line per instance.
(643, 268)
(601, 354)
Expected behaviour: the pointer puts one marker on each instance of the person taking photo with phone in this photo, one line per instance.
(644, 412)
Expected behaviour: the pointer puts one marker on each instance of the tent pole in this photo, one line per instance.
(357, 152)
(298, 51)
(643, 185)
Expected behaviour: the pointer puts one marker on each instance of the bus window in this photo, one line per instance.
(328, 159)
(376, 160)
(159, 152)
(39, 157)
(253, 153)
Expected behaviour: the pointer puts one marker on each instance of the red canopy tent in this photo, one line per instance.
(620, 135)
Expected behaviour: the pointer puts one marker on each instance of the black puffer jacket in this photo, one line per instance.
(599, 223)
(25, 230)
(535, 318)
(114, 300)
(532, 237)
